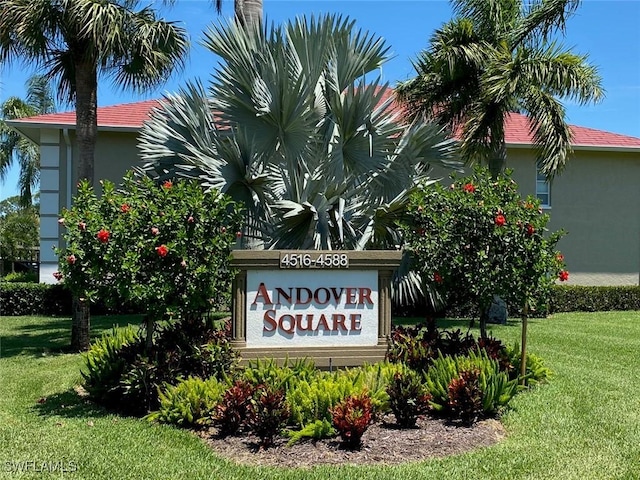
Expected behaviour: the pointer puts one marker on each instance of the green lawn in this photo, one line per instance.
(585, 424)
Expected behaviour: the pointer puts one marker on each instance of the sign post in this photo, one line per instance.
(331, 306)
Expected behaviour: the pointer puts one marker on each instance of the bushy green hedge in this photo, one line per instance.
(575, 298)
(34, 299)
(564, 298)
(44, 299)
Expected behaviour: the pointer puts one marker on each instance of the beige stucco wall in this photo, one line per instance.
(596, 199)
(116, 152)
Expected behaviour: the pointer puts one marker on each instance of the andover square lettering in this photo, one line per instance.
(290, 297)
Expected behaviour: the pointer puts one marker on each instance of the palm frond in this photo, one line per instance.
(550, 131)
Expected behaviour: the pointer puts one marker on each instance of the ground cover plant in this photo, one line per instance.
(582, 425)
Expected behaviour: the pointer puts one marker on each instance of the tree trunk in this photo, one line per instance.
(80, 324)
(249, 13)
(484, 315)
(498, 159)
(86, 133)
(86, 117)
(523, 351)
(149, 323)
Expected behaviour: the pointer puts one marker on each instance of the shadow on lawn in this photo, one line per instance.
(69, 404)
(45, 336)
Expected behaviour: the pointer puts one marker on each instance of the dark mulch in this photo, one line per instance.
(383, 443)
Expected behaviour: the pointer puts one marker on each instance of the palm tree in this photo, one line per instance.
(248, 12)
(74, 41)
(497, 57)
(289, 127)
(14, 147)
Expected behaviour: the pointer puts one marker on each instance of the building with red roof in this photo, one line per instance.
(596, 199)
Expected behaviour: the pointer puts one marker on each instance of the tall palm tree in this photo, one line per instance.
(293, 127)
(248, 12)
(14, 147)
(496, 57)
(74, 41)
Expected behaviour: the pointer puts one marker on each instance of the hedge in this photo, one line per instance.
(564, 298)
(575, 298)
(34, 299)
(43, 299)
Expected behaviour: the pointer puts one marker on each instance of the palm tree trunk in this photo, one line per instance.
(249, 13)
(86, 133)
(80, 324)
(86, 117)
(498, 159)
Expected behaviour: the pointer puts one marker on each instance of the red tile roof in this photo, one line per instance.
(124, 115)
(132, 116)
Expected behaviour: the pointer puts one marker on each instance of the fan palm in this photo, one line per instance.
(496, 57)
(16, 148)
(289, 127)
(320, 157)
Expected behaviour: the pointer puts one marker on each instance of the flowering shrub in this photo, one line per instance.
(164, 248)
(479, 238)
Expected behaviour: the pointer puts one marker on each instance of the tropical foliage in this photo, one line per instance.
(296, 125)
(19, 230)
(497, 57)
(15, 148)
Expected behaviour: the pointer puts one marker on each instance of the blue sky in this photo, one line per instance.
(607, 30)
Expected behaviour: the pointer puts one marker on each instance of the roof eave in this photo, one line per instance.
(593, 148)
(31, 130)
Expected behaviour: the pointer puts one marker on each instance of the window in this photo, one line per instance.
(543, 189)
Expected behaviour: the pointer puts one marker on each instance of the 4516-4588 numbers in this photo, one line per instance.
(308, 260)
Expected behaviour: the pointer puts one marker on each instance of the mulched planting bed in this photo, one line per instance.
(383, 443)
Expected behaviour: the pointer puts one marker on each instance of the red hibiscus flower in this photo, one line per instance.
(71, 259)
(563, 276)
(167, 184)
(500, 220)
(125, 208)
(103, 236)
(437, 277)
(530, 229)
(57, 275)
(162, 250)
(469, 188)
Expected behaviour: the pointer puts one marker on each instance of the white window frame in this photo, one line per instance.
(543, 190)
